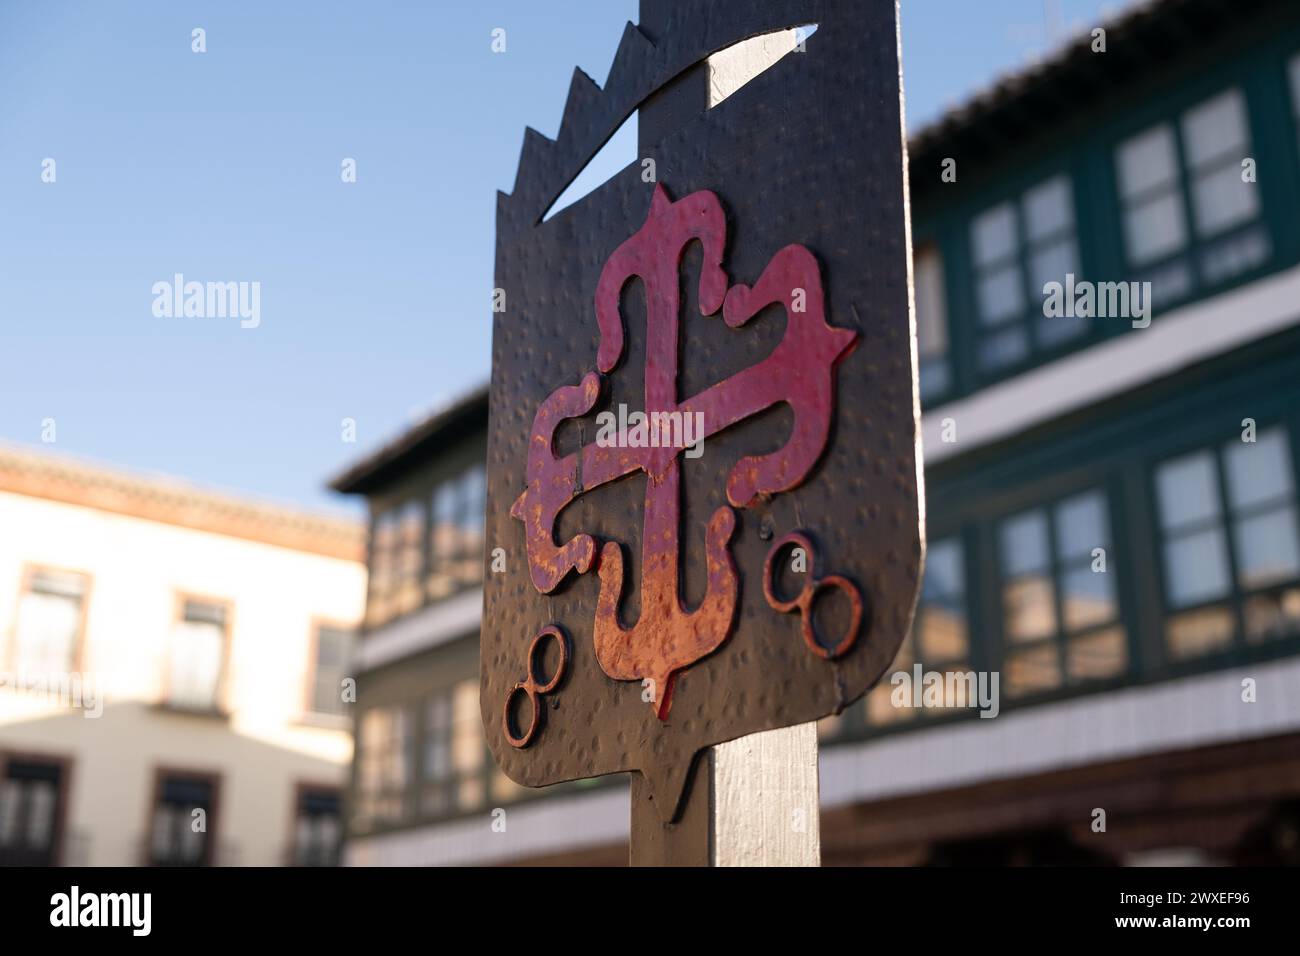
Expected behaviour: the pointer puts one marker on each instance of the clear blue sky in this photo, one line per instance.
(375, 296)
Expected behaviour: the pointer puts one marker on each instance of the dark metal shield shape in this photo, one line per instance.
(754, 291)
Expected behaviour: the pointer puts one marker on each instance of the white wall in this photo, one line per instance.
(137, 567)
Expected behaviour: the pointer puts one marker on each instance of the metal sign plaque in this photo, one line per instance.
(703, 470)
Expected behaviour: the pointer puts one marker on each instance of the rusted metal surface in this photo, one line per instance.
(667, 638)
(675, 295)
(803, 601)
(535, 687)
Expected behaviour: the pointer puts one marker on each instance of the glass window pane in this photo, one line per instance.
(1024, 543)
(1215, 129)
(1196, 568)
(1097, 656)
(474, 497)
(1199, 632)
(412, 531)
(367, 746)
(1052, 263)
(1048, 208)
(1000, 295)
(440, 714)
(958, 689)
(61, 583)
(42, 799)
(943, 576)
(1295, 85)
(1169, 283)
(437, 738)
(880, 706)
(333, 655)
(47, 631)
(1081, 525)
(446, 512)
(1155, 228)
(1004, 348)
(437, 758)
(1147, 161)
(383, 546)
(395, 559)
(1273, 615)
(204, 613)
(931, 306)
(1057, 329)
(943, 632)
(1258, 471)
(1221, 200)
(473, 493)
(195, 667)
(160, 840)
(1087, 598)
(382, 536)
(828, 728)
(467, 733)
(934, 377)
(1188, 490)
(504, 789)
(1028, 608)
(993, 235)
(1267, 550)
(1032, 671)
(332, 647)
(383, 753)
(1234, 254)
(394, 752)
(469, 792)
(11, 793)
(444, 534)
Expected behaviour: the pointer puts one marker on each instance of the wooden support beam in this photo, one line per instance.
(750, 802)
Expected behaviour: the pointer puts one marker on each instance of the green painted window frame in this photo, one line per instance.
(463, 565)
(1055, 569)
(1293, 90)
(1191, 256)
(325, 696)
(398, 566)
(441, 796)
(940, 358)
(1026, 246)
(394, 564)
(912, 651)
(1235, 597)
(400, 745)
(1258, 67)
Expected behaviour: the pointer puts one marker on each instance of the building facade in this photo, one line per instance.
(1107, 287)
(173, 671)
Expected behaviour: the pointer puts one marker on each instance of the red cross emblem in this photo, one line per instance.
(667, 637)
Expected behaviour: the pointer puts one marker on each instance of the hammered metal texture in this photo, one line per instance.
(809, 152)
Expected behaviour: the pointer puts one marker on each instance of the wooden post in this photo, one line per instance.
(750, 802)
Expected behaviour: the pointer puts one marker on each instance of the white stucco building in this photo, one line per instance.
(173, 671)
